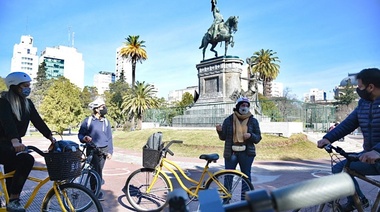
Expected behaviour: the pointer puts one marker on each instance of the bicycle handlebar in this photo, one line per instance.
(40, 152)
(351, 156)
(166, 148)
(295, 196)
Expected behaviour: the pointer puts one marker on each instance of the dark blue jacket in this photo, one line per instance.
(99, 130)
(227, 135)
(366, 116)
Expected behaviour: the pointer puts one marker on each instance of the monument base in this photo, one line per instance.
(204, 115)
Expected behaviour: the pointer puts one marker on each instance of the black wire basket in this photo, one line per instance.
(63, 165)
(151, 157)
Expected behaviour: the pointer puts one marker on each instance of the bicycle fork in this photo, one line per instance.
(60, 193)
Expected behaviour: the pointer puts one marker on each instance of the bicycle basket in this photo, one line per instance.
(151, 157)
(63, 165)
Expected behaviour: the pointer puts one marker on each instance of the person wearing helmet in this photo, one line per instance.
(97, 129)
(240, 132)
(16, 111)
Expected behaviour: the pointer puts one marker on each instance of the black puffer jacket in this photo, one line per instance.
(227, 135)
(366, 116)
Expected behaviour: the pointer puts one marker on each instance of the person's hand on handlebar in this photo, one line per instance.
(370, 157)
(323, 142)
(87, 139)
(17, 145)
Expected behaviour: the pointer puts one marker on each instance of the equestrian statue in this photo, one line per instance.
(219, 31)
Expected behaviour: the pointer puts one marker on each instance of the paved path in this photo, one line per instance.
(265, 174)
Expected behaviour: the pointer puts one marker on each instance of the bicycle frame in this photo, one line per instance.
(168, 165)
(40, 182)
(366, 179)
(349, 159)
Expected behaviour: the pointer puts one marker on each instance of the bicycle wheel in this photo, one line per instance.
(325, 207)
(136, 190)
(78, 196)
(235, 184)
(90, 179)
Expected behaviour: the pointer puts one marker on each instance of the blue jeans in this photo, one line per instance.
(360, 167)
(245, 162)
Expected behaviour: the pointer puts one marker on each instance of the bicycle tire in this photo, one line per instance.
(325, 207)
(237, 185)
(85, 179)
(136, 186)
(79, 197)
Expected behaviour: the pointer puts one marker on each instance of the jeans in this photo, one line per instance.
(360, 167)
(245, 162)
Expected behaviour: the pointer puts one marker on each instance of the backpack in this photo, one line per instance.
(89, 120)
(154, 141)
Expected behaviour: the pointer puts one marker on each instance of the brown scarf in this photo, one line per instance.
(240, 126)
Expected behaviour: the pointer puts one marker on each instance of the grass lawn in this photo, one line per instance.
(197, 142)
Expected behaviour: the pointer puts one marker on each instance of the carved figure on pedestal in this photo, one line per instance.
(219, 31)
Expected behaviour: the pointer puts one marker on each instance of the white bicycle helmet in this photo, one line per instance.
(97, 103)
(16, 78)
(241, 100)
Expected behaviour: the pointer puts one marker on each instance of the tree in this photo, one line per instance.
(187, 100)
(134, 51)
(88, 94)
(269, 108)
(347, 95)
(114, 100)
(139, 100)
(264, 62)
(3, 86)
(41, 85)
(61, 107)
(287, 105)
(345, 101)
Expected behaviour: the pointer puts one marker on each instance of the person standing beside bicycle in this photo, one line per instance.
(241, 132)
(366, 116)
(16, 111)
(97, 129)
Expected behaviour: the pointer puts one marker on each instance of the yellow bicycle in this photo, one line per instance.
(147, 188)
(62, 196)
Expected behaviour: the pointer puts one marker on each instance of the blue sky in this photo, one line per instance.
(317, 42)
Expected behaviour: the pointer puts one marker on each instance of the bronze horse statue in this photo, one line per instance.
(225, 32)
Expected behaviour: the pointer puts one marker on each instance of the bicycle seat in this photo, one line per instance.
(210, 157)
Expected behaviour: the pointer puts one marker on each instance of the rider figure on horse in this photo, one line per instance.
(218, 21)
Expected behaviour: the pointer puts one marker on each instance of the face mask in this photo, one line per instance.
(364, 94)
(243, 110)
(103, 111)
(25, 91)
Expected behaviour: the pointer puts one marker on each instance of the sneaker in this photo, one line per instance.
(349, 206)
(15, 206)
(100, 196)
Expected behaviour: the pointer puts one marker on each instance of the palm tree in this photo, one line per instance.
(264, 62)
(134, 51)
(140, 99)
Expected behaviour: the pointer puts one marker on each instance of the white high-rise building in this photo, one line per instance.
(64, 61)
(314, 95)
(176, 95)
(122, 64)
(102, 81)
(25, 57)
(277, 89)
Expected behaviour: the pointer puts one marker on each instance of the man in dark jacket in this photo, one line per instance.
(366, 116)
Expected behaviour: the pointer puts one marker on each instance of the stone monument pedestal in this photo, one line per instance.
(218, 79)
